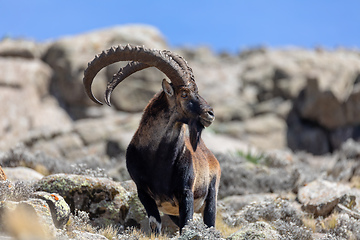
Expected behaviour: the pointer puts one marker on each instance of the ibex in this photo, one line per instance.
(173, 170)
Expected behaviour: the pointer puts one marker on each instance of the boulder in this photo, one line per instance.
(320, 197)
(60, 210)
(321, 106)
(22, 174)
(106, 201)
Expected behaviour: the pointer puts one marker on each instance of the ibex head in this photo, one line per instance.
(182, 93)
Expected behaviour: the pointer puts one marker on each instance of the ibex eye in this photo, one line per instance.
(184, 94)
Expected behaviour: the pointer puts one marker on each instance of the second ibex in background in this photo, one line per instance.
(172, 168)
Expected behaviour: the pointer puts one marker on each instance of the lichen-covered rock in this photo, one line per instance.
(60, 210)
(255, 231)
(106, 201)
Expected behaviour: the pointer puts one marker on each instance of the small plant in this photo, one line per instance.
(251, 156)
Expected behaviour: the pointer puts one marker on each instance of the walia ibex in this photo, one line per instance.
(173, 170)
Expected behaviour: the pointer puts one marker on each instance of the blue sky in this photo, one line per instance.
(229, 25)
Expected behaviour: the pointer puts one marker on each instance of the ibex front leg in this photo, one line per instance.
(209, 214)
(151, 210)
(186, 207)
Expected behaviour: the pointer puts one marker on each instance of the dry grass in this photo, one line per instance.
(224, 228)
(310, 223)
(137, 234)
(81, 222)
(326, 224)
(109, 232)
(331, 221)
(355, 182)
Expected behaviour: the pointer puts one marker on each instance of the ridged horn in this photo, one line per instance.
(176, 71)
(123, 73)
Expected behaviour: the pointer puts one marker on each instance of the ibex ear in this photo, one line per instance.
(167, 88)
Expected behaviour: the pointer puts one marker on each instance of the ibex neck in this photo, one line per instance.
(158, 125)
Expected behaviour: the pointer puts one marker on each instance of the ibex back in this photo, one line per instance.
(172, 168)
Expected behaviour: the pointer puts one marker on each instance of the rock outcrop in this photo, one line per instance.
(271, 98)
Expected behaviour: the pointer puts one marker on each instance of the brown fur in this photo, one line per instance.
(160, 127)
(173, 170)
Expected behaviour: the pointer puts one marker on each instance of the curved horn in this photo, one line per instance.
(182, 63)
(178, 75)
(133, 67)
(123, 73)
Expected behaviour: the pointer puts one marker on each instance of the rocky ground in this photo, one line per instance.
(286, 133)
